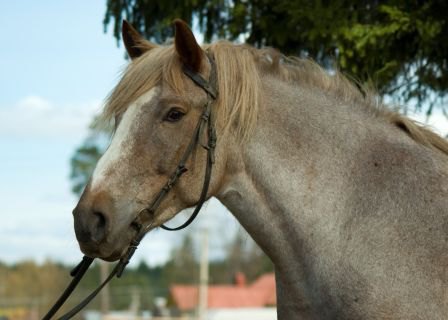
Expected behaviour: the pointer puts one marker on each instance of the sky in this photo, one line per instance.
(56, 67)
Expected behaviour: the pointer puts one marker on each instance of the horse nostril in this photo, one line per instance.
(99, 226)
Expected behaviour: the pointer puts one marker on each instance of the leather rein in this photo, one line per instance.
(206, 120)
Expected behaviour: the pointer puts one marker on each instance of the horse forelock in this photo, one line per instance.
(240, 69)
(140, 76)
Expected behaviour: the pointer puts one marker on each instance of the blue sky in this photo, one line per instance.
(57, 66)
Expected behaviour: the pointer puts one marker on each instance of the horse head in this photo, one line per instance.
(156, 109)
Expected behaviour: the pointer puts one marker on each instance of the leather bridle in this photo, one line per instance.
(206, 120)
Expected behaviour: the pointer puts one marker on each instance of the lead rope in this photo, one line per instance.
(77, 273)
(117, 271)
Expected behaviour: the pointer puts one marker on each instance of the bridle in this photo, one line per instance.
(206, 119)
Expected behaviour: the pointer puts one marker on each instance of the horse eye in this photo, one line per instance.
(174, 115)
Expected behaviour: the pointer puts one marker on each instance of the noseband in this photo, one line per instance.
(206, 120)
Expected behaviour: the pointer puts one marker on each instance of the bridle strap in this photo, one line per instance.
(207, 176)
(210, 87)
(90, 297)
(77, 273)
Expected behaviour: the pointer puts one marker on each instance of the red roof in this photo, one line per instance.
(261, 293)
(266, 284)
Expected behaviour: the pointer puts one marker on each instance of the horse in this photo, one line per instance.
(347, 198)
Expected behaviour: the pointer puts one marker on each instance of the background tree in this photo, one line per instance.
(183, 266)
(49, 278)
(400, 47)
(86, 156)
(16, 291)
(242, 255)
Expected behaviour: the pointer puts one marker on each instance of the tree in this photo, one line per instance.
(398, 46)
(86, 156)
(183, 266)
(30, 286)
(242, 255)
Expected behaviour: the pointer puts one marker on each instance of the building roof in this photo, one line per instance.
(260, 293)
(266, 284)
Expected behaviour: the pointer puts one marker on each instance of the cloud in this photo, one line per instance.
(54, 236)
(37, 117)
(34, 104)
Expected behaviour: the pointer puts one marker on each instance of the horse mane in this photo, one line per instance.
(240, 68)
(238, 80)
(417, 131)
(306, 72)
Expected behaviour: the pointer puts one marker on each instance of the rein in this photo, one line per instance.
(206, 119)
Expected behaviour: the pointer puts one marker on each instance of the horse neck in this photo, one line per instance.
(289, 173)
(313, 188)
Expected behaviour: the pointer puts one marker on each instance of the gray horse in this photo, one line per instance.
(348, 199)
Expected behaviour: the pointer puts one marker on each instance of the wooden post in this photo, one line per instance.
(203, 278)
(105, 293)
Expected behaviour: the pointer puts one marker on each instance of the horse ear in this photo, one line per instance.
(135, 44)
(187, 48)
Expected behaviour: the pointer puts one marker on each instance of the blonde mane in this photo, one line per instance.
(240, 68)
(238, 83)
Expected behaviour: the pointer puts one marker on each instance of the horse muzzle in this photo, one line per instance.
(92, 229)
